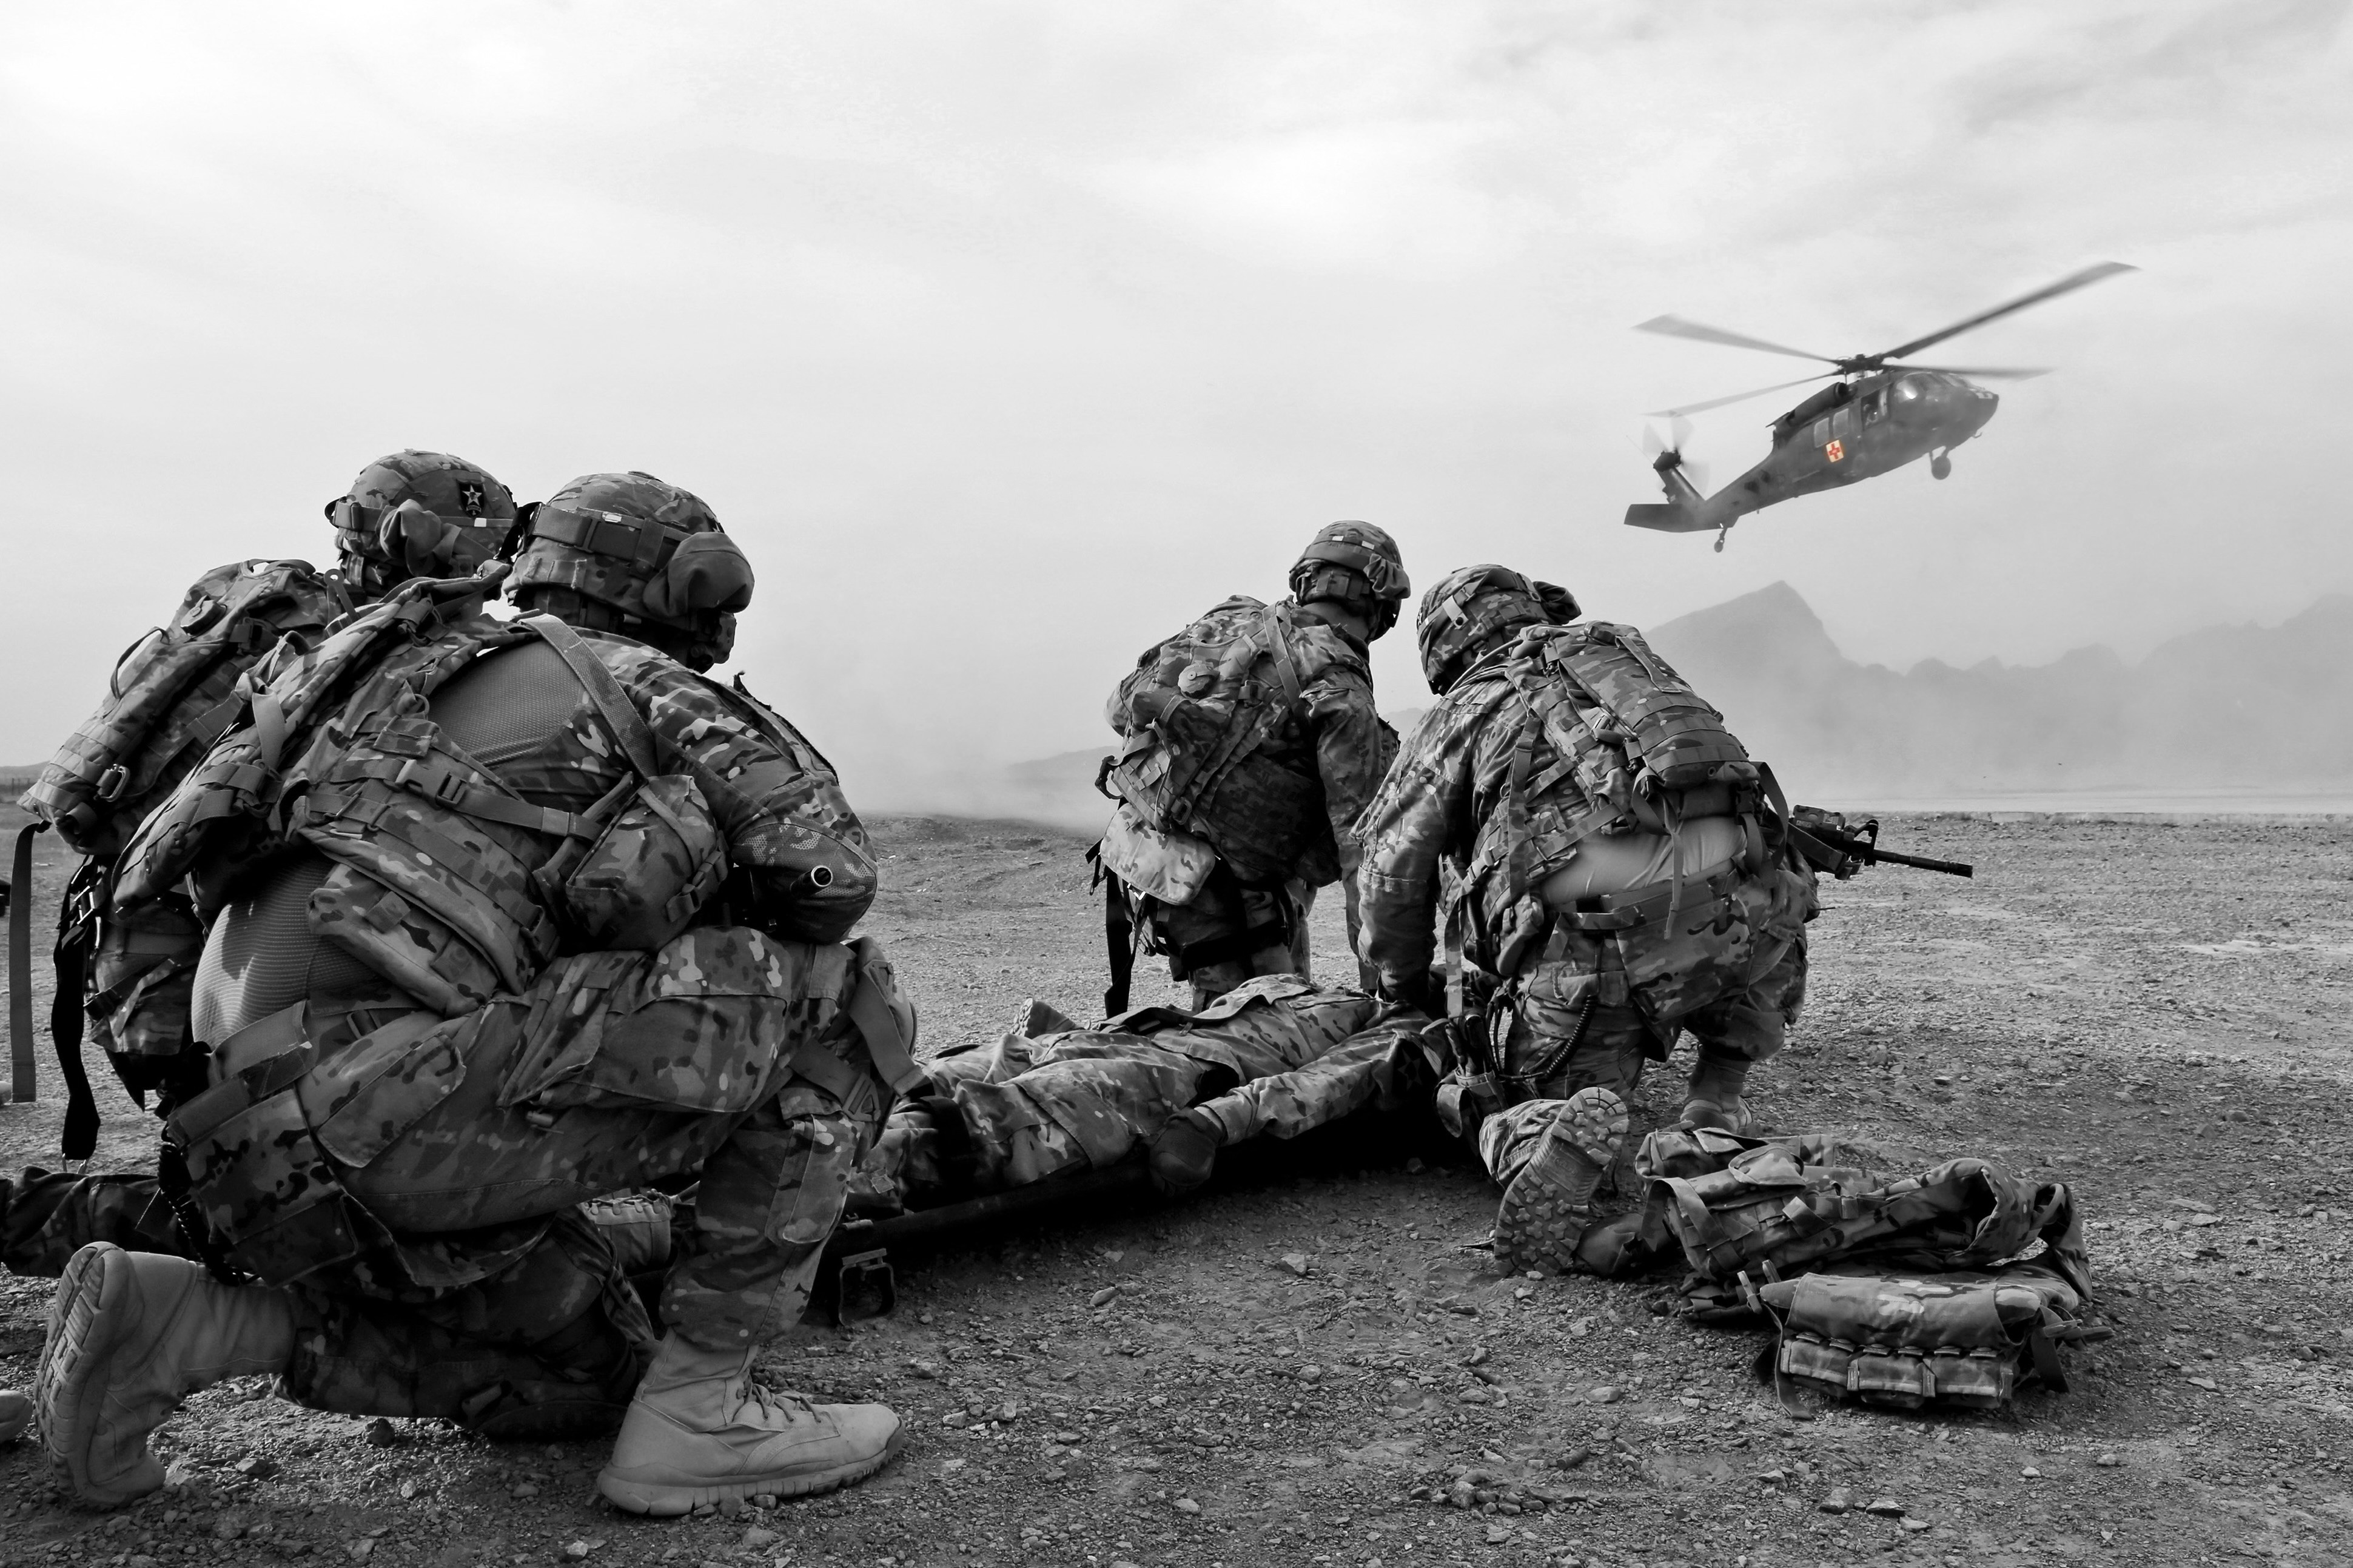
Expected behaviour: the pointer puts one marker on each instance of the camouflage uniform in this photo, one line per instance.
(1564, 1009)
(447, 1274)
(1277, 1055)
(1331, 733)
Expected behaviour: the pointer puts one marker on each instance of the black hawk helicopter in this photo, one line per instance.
(1878, 416)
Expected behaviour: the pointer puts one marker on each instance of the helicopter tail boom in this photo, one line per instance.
(1672, 517)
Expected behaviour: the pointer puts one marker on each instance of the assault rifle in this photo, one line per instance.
(1830, 843)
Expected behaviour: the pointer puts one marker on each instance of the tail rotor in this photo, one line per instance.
(1666, 453)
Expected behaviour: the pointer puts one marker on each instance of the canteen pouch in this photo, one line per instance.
(1167, 864)
(657, 862)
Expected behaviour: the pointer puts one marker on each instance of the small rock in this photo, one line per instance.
(359, 1550)
(1497, 1535)
(1068, 1440)
(382, 1434)
(1605, 1394)
(1104, 1297)
(575, 1550)
(1186, 1505)
(1296, 1262)
(1309, 1373)
(524, 1490)
(407, 1491)
(955, 1418)
(176, 1474)
(227, 1529)
(1008, 1411)
(1477, 1357)
(755, 1538)
(2108, 1461)
(1916, 1525)
(2208, 1383)
(1885, 1507)
(1569, 1461)
(1838, 1501)
(923, 1369)
(141, 1560)
(2031, 1473)
(255, 1467)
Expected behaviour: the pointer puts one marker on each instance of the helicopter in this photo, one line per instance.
(1876, 418)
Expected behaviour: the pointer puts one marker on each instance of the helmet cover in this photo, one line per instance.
(1357, 566)
(627, 552)
(1473, 609)
(419, 514)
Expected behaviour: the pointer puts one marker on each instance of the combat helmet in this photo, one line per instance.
(1471, 610)
(1358, 567)
(628, 554)
(419, 514)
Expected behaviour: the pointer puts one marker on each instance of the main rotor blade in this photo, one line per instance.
(1989, 373)
(1677, 327)
(2066, 285)
(1736, 397)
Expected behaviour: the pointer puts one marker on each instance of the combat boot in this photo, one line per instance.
(700, 1431)
(131, 1333)
(1715, 1098)
(1548, 1203)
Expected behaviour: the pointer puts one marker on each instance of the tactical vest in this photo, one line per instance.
(1196, 714)
(446, 882)
(1774, 1208)
(1610, 740)
(1964, 1338)
(171, 697)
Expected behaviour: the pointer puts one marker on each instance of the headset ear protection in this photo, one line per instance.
(427, 544)
(706, 572)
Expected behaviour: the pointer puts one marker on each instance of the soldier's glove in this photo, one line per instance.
(1184, 1153)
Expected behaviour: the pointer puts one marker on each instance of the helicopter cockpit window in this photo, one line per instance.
(1821, 431)
(1909, 389)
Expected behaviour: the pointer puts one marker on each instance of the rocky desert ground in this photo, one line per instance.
(1315, 1363)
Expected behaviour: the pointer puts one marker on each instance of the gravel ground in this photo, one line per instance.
(1315, 1364)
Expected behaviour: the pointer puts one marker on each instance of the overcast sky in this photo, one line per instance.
(1009, 336)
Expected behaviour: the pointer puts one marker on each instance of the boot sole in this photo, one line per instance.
(665, 1500)
(1539, 1224)
(76, 1349)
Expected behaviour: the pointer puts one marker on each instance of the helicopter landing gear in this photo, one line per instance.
(1719, 537)
(1940, 464)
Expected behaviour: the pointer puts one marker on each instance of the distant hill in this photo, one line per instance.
(2225, 708)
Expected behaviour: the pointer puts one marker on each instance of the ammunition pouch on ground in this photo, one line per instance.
(1778, 1207)
(1963, 1339)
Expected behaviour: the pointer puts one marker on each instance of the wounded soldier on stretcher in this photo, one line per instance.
(1279, 1055)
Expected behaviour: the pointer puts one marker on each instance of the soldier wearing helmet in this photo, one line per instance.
(407, 514)
(550, 916)
(1250, 741)
(1613, 878)
(417, 514)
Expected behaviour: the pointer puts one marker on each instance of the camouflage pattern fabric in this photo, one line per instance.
(1290, 776)
(1566, 1008)
(1264, 929)
(726, 1052)
(45, 1216)
(1279, 1053)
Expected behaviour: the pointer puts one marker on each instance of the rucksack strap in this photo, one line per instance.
(22, 1090)
(621, 715)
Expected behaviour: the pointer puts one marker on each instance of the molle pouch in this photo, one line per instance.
(1169, 865)
(1961, 1339)
(641, 881)
(142, 977)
